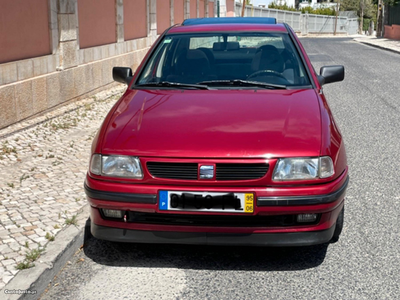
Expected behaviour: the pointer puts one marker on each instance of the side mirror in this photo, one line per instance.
(329, 74)
(122, 74)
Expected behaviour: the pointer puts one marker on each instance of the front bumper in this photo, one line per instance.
(210, 238)
(326, 200)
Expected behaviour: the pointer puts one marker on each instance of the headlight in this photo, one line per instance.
(303, 168)
(116, 166)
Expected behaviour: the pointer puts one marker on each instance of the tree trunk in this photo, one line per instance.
(243, 8)
(379, 20)
(361, 28)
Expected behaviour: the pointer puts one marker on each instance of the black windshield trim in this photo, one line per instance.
(300, 53)
(244, 83)
(168, 84)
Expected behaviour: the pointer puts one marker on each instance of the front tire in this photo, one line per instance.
(339, 227)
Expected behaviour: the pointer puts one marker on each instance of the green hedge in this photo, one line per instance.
(366, 24)
(281, 7)
(328, 11)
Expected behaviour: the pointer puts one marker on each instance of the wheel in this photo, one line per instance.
(266, 73)
(339, 227)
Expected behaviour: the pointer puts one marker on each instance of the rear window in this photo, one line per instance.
(202, 57)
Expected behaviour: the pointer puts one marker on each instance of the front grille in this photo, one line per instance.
(213, 220)
(241, 171)
(224, 171)
(186, 171)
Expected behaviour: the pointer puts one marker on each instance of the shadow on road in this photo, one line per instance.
(203, 257)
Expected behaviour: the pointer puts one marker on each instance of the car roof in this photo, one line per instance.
(229, 20)
(228, 24)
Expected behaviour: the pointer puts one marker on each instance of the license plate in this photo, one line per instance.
(206, 201)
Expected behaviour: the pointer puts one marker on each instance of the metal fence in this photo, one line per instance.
(303, 23)
(282, 16)
(394, 15)
(352, 26)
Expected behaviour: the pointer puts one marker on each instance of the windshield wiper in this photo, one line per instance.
(240, 82)
(173, 84)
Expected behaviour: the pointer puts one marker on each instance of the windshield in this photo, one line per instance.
(218, 60)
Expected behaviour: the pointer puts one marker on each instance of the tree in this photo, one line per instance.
(364, 9)
(383, 5)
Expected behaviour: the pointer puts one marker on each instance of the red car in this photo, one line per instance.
(223, 137)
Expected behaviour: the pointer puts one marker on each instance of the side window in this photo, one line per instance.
(155, 67)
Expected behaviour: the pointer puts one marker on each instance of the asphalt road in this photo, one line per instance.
(364, 264)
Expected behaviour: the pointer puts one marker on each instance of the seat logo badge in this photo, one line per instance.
(206, 172)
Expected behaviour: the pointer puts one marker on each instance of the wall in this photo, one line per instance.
(211, 10)
(179, 11)
(163, 15)
(392, 32)
(193, 9)
(28, 36)
(80, 41)
(202, 12)
(230, 8)
(97, 24)
(135, 19)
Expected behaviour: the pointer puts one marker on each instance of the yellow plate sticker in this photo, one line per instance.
(248, 203)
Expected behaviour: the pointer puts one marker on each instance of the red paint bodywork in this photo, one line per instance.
(212, 126)
(215, 124)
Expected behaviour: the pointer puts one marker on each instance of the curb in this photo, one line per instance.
(378, 46)
(56, 255)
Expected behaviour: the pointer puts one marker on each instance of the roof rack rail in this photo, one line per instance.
(229, 20)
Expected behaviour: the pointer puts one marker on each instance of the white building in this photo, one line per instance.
(317, 3)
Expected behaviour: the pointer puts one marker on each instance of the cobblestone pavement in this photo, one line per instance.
(43, 162)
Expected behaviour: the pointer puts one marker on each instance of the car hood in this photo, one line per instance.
(215, 124)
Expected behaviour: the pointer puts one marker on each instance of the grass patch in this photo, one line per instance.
(72, 220)
(24, 265)
(5, 149)
(23, 177)
(49, 237)
(56, 163)
(34, 254)
(30, 257)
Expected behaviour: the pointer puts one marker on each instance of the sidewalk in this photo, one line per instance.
(382, 43)
(43, 163)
